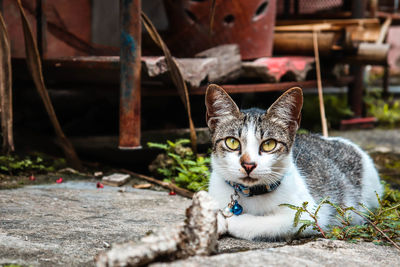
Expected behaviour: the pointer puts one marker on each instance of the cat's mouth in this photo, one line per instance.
(249, 180)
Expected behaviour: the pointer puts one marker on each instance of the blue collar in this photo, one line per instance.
(249, 191)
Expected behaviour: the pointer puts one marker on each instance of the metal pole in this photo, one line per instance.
(130, 53)
(356, 89)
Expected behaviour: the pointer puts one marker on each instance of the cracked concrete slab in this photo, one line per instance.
(68, 224)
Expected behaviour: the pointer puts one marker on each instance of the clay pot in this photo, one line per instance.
(249, 23)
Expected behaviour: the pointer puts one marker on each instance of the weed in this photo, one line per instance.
(336, 109)
(179, 165)
(386, 111)
(36, 163)
(382, 227)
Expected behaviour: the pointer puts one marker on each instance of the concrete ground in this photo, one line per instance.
(68, 224)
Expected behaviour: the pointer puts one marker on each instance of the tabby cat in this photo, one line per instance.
(259, 162)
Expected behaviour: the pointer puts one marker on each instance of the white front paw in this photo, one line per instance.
(222, 225)
(237, 226)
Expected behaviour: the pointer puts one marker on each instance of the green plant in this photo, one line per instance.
(178, 164)
(336, 109)
(382, 227)
(386, 111)
(36, 163)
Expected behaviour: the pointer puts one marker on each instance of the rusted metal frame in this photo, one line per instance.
(41, 26)
(162, 90)
(130, 95)
(356, 89)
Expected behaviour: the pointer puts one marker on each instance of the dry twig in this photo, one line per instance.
(170, 186)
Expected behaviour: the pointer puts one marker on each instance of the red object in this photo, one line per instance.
(32, 178)
(250, 24)
(358, 123)
(59, 180)
(99, 185)
(172, 193)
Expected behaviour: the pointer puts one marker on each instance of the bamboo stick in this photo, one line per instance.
(319, 83)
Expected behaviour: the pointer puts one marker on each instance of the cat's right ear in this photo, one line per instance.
(219, 106)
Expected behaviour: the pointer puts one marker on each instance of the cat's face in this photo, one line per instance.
(252, 147)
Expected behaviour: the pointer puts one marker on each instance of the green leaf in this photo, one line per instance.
(156, 145)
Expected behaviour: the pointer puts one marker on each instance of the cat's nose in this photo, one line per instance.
(249, 166)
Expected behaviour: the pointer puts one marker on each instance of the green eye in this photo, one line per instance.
(232, 143)
(268, 146)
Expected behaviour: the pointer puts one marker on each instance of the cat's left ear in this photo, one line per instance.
(287, 108)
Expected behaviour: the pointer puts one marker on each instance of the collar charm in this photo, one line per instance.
(233, 207)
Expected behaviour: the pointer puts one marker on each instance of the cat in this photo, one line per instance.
(259, 155)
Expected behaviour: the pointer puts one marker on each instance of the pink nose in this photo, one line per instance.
(249, 166)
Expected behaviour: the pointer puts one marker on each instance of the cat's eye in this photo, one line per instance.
(232, 143)
(268, 145)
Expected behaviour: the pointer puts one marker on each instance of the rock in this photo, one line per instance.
(116, 179)
(218, 65)
(229, 62)
(194, 70)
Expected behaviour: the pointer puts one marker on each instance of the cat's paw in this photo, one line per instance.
(222, 225)
(239, 226)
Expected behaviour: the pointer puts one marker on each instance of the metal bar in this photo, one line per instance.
(356, 89)
(162, 90)
(130, 53)
(41, 26)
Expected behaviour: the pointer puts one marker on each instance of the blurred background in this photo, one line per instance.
(255, 49)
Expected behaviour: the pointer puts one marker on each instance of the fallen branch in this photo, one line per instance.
(170, 186)
(197, 236)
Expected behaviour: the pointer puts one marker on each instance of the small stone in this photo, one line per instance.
(116, 179)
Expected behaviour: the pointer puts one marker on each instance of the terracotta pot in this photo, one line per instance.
(249, 23)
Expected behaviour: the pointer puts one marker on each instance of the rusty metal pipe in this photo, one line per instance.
(130, 53)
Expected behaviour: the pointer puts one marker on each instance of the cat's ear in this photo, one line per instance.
(219, 106)
(287, 108)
